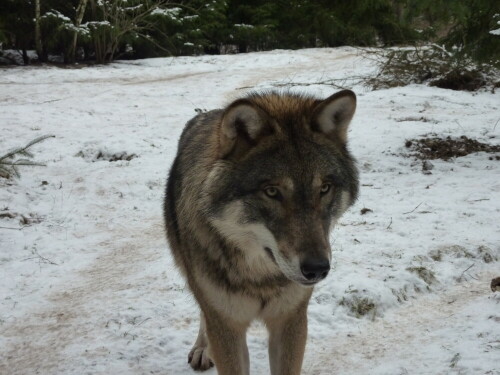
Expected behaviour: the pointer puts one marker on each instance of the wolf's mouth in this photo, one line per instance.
(270, 253)
(308, 283)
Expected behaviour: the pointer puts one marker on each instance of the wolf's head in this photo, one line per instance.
(281, 177)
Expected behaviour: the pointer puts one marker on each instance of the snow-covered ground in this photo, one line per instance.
(87, 282)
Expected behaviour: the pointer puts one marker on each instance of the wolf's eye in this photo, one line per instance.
(325, 188)
(272, 192)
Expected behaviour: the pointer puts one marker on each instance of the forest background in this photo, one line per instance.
(100, 31)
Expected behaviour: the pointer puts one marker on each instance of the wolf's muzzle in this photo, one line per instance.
(315, 269)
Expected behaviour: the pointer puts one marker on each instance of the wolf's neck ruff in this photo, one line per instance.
(251, 199)
(230, 270)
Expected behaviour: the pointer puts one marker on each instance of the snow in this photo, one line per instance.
(244, 25)
(56, 14)
(9, 56)
(96, 24)
(496, 31)
(89, 286)
(169, 12)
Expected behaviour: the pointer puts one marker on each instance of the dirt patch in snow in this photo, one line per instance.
(106, 156)
(446, 148)
(495, 284)
(458, 79)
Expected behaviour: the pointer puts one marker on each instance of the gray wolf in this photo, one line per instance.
(251, 198)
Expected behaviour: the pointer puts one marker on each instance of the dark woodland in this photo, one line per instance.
(101, 31)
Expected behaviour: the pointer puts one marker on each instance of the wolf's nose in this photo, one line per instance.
(315, 269)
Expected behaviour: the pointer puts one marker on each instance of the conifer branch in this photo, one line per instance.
(8, 164)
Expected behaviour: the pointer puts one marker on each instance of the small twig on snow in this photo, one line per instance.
(463, 273)
(42, 259)
(20, 228)
(409, 212)
(389, 226)
(496, 123)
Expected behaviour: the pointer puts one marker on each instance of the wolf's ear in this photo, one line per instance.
(243, 126)
(333, 115)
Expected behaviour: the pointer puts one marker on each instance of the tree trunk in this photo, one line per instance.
(26, 59)
(98, 42)
(80, 12)
(38, 34)
(242, 47)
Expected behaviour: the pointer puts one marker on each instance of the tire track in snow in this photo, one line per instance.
(38, 341)
(400, 333)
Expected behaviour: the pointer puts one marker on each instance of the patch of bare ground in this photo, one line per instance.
(446, 148)
(462, 80)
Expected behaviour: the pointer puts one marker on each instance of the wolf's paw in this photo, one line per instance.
(198, 358)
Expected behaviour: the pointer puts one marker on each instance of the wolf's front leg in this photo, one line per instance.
(199, 358)
(228, 346)
(287, 341)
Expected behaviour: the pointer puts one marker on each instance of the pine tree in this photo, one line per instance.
(16, 19)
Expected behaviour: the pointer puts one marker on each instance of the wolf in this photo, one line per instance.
(251, 198)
